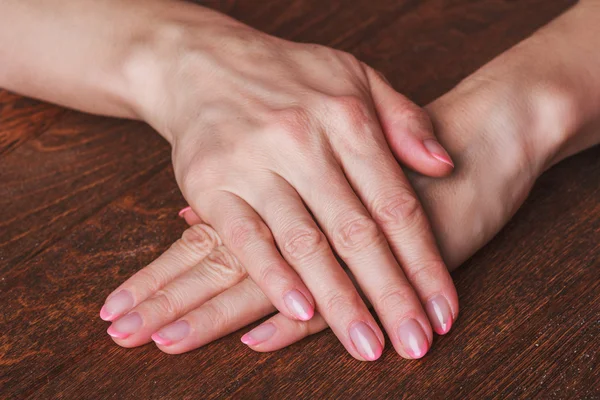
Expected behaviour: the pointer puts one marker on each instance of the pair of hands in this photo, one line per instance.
(284, 149)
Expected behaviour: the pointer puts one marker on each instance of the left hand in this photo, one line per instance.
(216, 290)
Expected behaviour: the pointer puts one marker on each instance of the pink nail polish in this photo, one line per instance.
(439, 314)
(183, 211)
(260, 334)
(365, 341)
(116, 305)
(298, 305)
(172, 333)
(437, 151)
(126, 326)
(413, 338)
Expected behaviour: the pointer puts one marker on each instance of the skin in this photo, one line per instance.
(206, 83)
(553, 118)
(504, 125)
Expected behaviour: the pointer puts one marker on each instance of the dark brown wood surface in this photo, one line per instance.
(85, 201)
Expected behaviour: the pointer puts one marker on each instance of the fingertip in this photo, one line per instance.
(431, 159)
(438, 152)
(432, 169)
(441, 313)
(105, 315)
(366, 341)
(259, 335)
(414, 339)
(160, 340)
(298, 305)
(425, 156)
(190, 217)
(116, 305)
(183, 211)
(246, 339)
(112, 332)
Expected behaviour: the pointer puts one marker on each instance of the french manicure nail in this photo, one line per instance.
(126, 326)
(413, 338)
(365, 341)
(437, 151)
(172, 333)
(298, 305)
(260, 334)
(116, 305)
(183, 211)
(439, 314)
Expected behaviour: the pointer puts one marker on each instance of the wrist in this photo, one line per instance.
(177, 45)
(504, 125)
(538, 109)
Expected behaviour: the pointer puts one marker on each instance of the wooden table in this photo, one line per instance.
(86, 201)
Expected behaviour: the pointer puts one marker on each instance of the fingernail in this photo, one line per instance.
(413, 338)
(116, 305)
(172, 333)
(365, 341)
(439, 314)
(298, 305)
(260, 334)
(126, 326)
(184, 210)
(382, 76)
(437, 151)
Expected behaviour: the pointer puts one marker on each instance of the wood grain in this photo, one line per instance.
(86, 201)
(22, 119)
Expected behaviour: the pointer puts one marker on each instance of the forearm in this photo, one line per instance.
(556, 72)
(94, 56)
(577, 36)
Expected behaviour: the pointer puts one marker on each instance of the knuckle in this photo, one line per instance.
(417, 120)
(327, 52)
(430, 271)
(380, 74)
(353, 109)
(218, 314)
(272, 276)
(394, 296)
(224, 266)
(403, 206)
(167, 303)
(293, 124)
(300, 243)
(246, 229)
(152, 280)
(360, 136)
(356, 234)
(409, 111)
(348, 61)
(343, 303)
(200, 239)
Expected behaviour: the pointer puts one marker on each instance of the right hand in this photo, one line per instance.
(279, 147)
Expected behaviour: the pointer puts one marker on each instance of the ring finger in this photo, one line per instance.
(358, 240)
(305, 247)
(250, 240)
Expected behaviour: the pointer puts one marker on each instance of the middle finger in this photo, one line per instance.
(358, 240)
